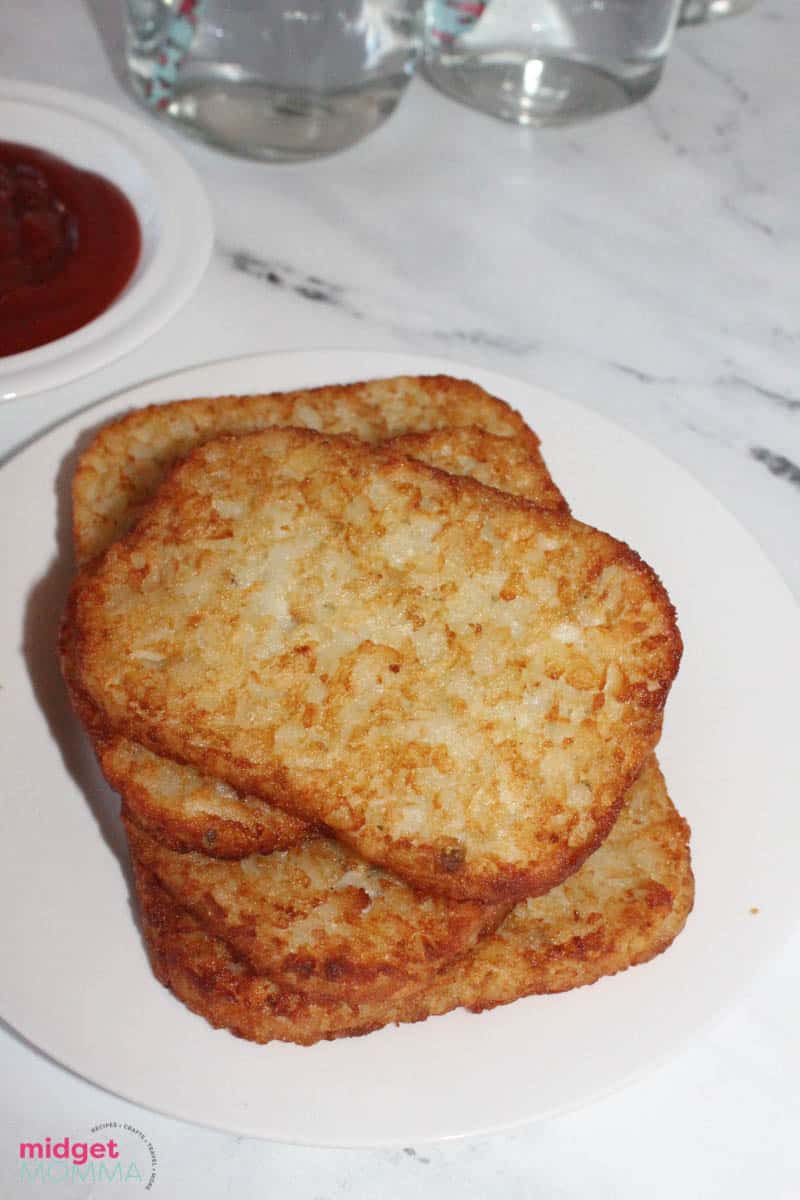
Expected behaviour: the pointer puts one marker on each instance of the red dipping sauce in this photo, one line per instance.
(69, 242)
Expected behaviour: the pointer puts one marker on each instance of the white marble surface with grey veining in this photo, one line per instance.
(647, 265)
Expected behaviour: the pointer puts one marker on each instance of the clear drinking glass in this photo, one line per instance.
(695, 11)
(545, 62)
(270, 79)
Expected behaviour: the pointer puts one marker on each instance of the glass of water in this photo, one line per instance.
(273, 79)
(547, 62)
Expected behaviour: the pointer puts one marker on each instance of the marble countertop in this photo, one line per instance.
(646, 265)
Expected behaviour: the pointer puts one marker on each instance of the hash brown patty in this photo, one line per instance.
(625, 905)
(460, 685)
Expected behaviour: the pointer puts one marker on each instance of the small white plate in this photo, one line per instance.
(75, 980)
(173, 211)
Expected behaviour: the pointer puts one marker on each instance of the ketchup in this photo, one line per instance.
(69, 242)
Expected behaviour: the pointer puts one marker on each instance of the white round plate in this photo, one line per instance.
(173, 211)
(75, 980)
